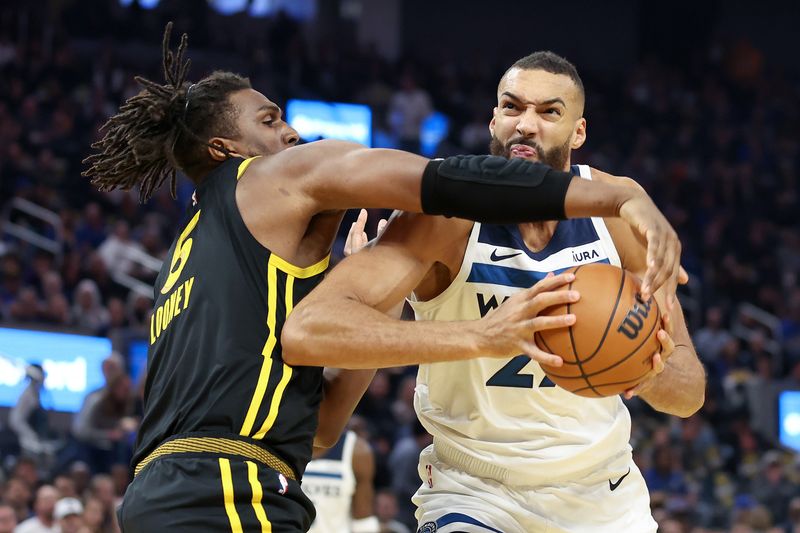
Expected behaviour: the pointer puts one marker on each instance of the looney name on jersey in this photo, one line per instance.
(176, 303)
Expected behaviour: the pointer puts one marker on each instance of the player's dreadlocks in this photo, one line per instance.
(165, 128)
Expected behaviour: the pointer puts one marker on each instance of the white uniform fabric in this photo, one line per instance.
(329, 482)
(504, 420)
(455, 501)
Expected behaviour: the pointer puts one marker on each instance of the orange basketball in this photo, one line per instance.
(609, 349)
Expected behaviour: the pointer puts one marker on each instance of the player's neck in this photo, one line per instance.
(537, 234)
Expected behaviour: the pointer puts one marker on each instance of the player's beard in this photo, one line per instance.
(555, 157)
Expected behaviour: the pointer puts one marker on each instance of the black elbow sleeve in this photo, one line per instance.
(494, 190)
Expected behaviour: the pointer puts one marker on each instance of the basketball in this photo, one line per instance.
(609, 349)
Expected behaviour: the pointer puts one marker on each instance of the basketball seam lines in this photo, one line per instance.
(631, 354)
(615, 382)
(610, 319)
(646, 337)
(572, 342)
(541, 338)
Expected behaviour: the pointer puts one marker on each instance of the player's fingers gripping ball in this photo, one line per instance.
(610, 347)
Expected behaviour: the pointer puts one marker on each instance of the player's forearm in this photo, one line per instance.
(348, 334)
(680, 389)
(486, 189)
(342, 391)
(595, 199)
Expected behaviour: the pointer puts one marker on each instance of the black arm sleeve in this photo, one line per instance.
(494, 189)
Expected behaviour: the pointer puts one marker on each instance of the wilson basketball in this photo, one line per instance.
(609, 349)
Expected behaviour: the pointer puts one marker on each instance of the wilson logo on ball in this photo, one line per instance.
(633, 322)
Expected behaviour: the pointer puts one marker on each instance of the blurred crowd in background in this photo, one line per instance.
(715, 142)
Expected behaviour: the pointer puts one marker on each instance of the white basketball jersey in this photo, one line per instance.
(330, 483)
(503, 418)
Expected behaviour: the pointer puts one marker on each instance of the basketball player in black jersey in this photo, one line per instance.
(228, 426)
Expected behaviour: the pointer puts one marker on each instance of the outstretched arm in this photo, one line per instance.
(343, 324)
(337, 175)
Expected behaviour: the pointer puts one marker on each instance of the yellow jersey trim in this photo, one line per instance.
(227, 491)
(255, 485)
(300, 272)
(243, 166)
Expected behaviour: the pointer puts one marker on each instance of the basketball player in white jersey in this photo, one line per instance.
(339, 480)
(513, 453)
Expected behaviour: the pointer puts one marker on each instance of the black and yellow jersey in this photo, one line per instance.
(214, 362)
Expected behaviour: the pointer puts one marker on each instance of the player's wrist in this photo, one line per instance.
(627, 199)
(478, 338)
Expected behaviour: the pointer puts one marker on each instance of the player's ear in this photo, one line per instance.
(224, 145)
(578, 134)
(491, 122)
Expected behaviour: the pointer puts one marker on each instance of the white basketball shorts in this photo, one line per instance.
(614, 499)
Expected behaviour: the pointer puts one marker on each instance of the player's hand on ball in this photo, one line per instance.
(357, 238)
(510, 328)
(663, 247)
(659, 361)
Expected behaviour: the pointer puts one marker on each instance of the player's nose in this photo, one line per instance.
(290, 136)
(528, 124)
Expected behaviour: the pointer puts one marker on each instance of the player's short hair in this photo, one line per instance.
(550, 62)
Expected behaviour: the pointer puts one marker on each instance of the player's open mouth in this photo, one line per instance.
(522, 150)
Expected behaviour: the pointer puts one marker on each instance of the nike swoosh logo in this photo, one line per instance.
(613, 486)
(495, 257)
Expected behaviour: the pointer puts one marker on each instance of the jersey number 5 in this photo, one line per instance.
(181, 254)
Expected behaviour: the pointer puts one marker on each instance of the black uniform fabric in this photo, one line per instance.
(214, 362)
(183, 494)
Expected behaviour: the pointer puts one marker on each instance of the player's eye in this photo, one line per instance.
(553, 111)
(509, 105)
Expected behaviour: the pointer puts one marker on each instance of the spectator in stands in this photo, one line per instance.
(409, 107)
(17, 494)
(376, 406)
(403, 407)
(68, 514)
(118, 248)
(8, 518)
(792, 524)
(665, 474)
(56, 311)
(772, 489)
(28, 419)
(81, 476)
(92, 230)
(65, 486)
(43, 520)
(52, 285)
(386, 511)
(101, 489)
(101, 426)
(94, 515)
(26, 308)
(90, 315)
(27, 469)
(403, 463)
(712, 338)
(121, 477)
